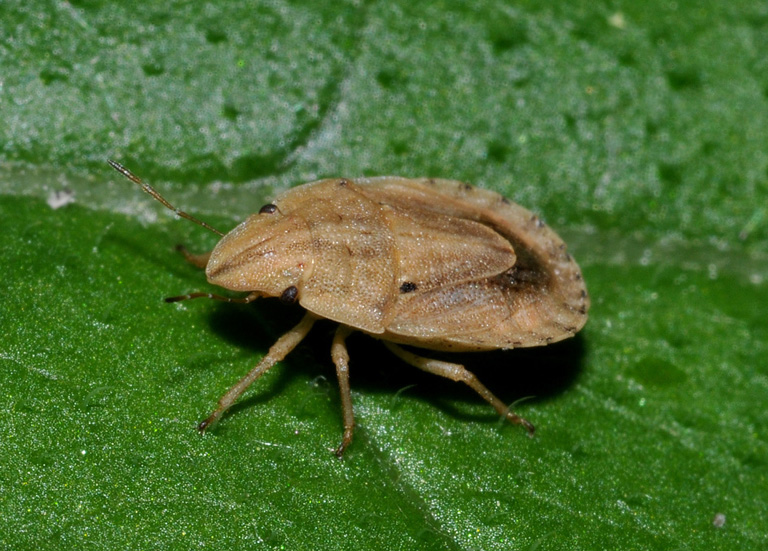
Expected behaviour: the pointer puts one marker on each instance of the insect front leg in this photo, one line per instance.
(457, 372)
(340, 358)
(199, 260)
(276, 353)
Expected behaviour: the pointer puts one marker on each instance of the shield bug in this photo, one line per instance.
(428, 263)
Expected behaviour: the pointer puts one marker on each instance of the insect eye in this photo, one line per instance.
(289, 295)
(269, 208)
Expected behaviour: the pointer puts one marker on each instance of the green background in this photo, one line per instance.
(638, 130)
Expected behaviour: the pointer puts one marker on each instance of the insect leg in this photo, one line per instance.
(341, 360)
(198, 260)
(457, 372)
(276, 353)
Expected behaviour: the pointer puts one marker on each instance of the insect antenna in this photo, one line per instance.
(242, 300)
(149, 189)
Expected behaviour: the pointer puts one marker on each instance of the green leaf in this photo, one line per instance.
(637, 130)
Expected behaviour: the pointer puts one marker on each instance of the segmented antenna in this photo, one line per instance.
(149, 189)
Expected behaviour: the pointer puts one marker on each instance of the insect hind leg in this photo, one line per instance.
(458, 373)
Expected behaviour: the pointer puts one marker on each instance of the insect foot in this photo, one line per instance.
(433, 264)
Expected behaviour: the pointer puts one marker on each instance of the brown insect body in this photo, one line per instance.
(435, 264)
(430, 263)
